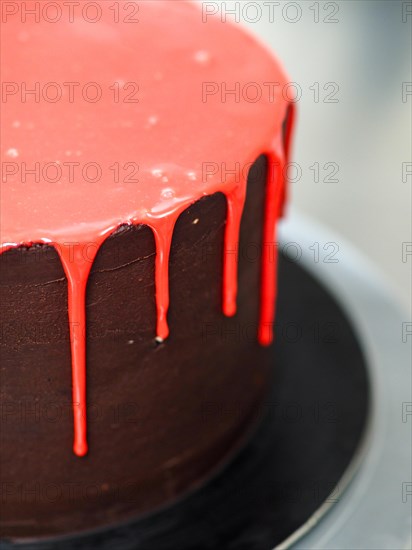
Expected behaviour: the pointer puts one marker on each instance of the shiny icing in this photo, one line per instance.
(178, 118)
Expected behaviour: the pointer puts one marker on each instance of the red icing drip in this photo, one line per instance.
(77, 263)
(171, 132)
(275, 190)
(163, 240)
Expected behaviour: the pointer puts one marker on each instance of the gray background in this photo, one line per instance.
(367, 132)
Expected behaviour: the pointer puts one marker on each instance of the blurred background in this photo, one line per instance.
(351, 62)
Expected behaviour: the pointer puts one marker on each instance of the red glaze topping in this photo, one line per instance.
(130, 119)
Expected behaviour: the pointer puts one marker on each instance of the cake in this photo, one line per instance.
(143, 174)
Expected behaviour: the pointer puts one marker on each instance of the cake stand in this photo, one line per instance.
(329, 463)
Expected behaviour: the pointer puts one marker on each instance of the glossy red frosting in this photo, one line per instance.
(185, 137)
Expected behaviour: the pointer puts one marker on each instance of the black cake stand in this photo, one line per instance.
(296, 463)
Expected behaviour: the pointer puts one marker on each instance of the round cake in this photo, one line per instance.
(143, 153)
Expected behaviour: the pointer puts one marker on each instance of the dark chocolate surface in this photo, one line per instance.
(152, 431)
(312, 422)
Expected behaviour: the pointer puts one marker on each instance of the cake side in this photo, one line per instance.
(133, 307)
(163, 417)
(166, 134)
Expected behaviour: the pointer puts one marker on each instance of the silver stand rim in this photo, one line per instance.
(374, 511)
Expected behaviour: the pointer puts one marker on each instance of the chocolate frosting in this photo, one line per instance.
(152, 408)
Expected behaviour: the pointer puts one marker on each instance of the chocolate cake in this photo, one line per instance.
(143, 174)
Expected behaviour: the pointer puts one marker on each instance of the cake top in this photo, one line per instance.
(128, 113)
(127, 118)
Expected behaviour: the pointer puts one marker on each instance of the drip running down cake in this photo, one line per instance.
(143, 175)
